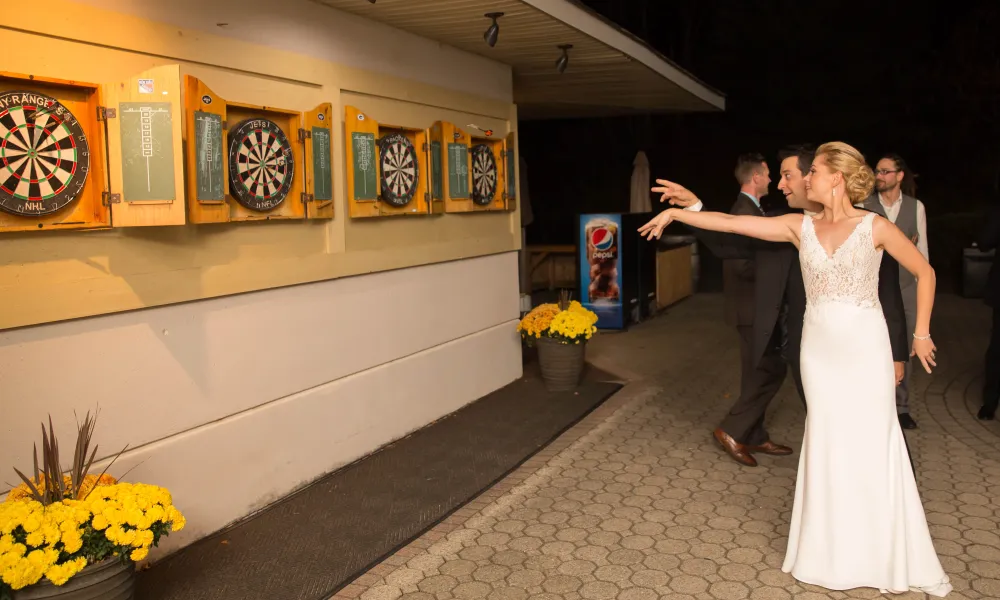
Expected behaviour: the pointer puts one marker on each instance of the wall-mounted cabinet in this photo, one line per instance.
(253, 163)
(388, 167)
(89, 156)
(470, 172)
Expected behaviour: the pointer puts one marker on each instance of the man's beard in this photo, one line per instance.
(882, 187)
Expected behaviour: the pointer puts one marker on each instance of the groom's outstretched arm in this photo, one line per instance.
(892, 307)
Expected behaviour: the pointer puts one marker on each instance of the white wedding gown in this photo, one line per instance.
(857, 520)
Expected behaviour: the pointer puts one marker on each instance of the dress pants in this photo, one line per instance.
(903, 389)
(759, 384)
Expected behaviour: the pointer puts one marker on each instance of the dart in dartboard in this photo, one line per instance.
(484, 174)
(261, 166)
(399, 169)
(44, 154)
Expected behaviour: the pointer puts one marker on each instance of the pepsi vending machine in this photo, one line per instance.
(617, 271)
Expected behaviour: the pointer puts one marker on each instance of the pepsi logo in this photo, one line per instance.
(602, 238)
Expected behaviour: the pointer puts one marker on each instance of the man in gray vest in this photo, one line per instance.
(892, 177)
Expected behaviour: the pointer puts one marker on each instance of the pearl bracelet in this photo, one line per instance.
(921, 337)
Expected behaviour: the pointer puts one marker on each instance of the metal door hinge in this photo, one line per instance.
(304, 135)
(107, 198)
(306, 198)
(104, 113)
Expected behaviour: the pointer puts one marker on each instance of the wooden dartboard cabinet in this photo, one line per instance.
(249, 162)
(79, 155)
(388, 167)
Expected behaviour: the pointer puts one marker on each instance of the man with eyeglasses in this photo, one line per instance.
(893, 199)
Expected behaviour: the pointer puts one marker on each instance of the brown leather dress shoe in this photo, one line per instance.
(770, 447)
(734, 449)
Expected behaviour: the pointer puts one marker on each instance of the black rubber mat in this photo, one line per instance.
(311, 544)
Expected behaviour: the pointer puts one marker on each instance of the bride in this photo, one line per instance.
(857, 520)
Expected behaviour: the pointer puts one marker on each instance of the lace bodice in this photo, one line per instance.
(850, 275)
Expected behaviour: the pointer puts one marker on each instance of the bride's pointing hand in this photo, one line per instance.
(925, 350)
(655, 227)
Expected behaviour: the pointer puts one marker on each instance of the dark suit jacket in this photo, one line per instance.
(988, 240)
(779, 276)
(738, 275)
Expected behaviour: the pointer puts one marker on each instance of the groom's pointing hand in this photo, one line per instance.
(677, 194)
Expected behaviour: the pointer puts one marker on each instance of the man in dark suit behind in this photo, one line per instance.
(738, 274)
(989, 239)
(780, 304)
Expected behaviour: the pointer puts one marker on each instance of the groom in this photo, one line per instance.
(780, 302)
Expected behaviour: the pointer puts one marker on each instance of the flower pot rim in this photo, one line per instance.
(107, 563)
(553, 340)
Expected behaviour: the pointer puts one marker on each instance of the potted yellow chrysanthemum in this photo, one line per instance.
(560, 332)
(73, 535)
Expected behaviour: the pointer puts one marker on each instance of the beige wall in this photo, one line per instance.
(51, 276)
(232, 403)
(342, 336)
(307, 28)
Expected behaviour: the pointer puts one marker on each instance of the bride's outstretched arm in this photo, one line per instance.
(895, 242)
(773, 229)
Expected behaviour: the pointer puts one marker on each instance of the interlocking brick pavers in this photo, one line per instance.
(636, 502)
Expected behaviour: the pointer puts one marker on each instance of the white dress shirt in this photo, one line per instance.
(892, 212)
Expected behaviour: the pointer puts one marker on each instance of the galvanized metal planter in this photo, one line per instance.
(106, 580)
(561, 364)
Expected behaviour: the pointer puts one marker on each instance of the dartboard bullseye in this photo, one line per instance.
(484, 174)
(261, 166)
(400, 169)
(44, 155)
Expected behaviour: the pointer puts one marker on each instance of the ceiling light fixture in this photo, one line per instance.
(493, 31)
(563, 60)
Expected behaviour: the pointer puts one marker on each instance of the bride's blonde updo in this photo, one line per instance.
(859, 180)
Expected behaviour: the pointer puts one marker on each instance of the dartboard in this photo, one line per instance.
(400, 171)
(484, 174)
(261, 166)
(44, 155)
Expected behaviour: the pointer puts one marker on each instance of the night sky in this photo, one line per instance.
(923, 81)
